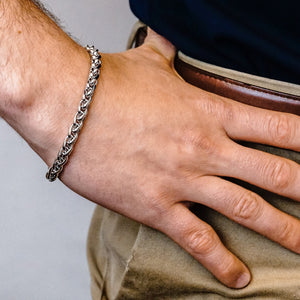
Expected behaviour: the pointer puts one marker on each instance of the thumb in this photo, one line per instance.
(160, 44)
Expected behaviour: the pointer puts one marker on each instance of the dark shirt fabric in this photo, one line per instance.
(258, 37)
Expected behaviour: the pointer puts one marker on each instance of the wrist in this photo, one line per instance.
(48, 109)
(43, 74)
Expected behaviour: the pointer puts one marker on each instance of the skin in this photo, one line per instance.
(151, 143)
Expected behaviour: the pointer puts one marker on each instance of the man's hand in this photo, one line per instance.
(152, 143)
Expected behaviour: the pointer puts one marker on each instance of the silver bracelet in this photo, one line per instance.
(70, 140)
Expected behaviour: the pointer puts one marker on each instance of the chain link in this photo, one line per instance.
(70, 140)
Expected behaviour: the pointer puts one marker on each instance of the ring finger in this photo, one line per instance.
(245, 208)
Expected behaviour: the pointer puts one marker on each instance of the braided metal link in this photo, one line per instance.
(70, 140)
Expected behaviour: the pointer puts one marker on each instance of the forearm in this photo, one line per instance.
(43, 73)
(152, 143)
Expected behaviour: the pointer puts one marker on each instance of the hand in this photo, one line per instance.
(152, 142)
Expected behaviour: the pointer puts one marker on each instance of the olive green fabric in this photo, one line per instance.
(131, 261)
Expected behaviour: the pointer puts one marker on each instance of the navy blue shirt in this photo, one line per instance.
(258, 37)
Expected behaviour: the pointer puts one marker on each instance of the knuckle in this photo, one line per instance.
(285, 232)
(248, 206)
(209, 105)
(288, 235)
(195, 142)
(158, 202)
(279, 174)
(281, 128)
(201, 242)
(227, 270)
(229, 111)
(219, 108)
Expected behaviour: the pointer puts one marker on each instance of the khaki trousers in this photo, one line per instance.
(131, 261)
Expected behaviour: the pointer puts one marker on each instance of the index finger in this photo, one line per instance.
(263, 126)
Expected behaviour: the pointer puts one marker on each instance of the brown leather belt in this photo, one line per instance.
(230, 88)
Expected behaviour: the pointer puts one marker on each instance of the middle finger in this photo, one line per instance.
(270, 172)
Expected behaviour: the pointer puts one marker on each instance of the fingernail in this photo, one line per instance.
(243, 280)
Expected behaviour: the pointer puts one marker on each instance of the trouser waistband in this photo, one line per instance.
(246, 88)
